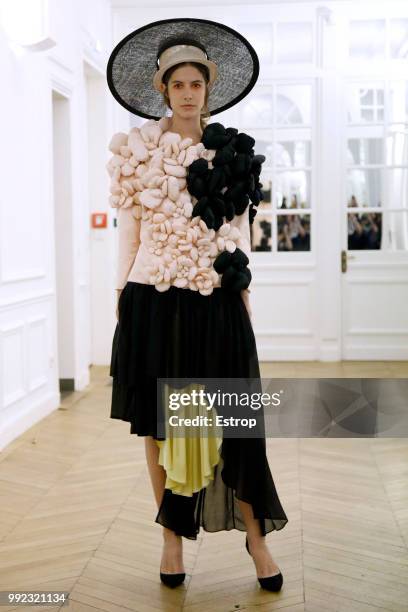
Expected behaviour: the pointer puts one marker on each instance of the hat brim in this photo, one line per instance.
(132, 65)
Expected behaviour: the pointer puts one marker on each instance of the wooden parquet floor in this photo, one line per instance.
(77, 514)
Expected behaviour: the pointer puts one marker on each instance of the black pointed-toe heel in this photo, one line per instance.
(270, 583)
(172, 580)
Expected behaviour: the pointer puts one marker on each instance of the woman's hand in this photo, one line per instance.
(245, 297)
(119, 291)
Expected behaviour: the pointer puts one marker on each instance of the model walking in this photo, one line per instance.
(186, 194)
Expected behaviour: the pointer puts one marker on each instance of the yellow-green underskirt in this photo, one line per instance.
(190, 461)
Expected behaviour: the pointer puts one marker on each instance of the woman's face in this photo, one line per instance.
(186, 86)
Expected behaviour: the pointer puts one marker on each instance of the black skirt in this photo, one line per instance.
(182, 333)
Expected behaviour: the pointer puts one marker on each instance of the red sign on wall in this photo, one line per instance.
(99, 220)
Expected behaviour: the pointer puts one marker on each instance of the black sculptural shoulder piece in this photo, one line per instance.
(225, 190)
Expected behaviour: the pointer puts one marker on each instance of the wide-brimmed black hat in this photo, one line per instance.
(138, 62)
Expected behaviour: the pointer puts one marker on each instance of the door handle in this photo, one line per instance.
(344, 258)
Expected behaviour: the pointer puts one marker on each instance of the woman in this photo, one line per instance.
(182, 190)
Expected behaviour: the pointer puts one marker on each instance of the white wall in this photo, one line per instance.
(30, 343)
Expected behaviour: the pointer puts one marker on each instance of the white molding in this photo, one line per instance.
(377, 265)
(31, 323)
(35, 273)
(60, 84)
(293, 331)
(83, 380)
(378, 280)
(330, 353)
(282, 282)
(367, 331)
(390, 352)
(26, 298)
(61, 66)
(89, 59)
(94, 56)
(282, 352)
(282, 266)
(16, 329)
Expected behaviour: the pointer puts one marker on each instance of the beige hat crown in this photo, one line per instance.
(177, 54)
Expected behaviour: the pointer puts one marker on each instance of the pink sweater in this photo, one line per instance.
(159, 241)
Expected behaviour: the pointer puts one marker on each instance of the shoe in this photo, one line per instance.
(172, 580)
(270, 583)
